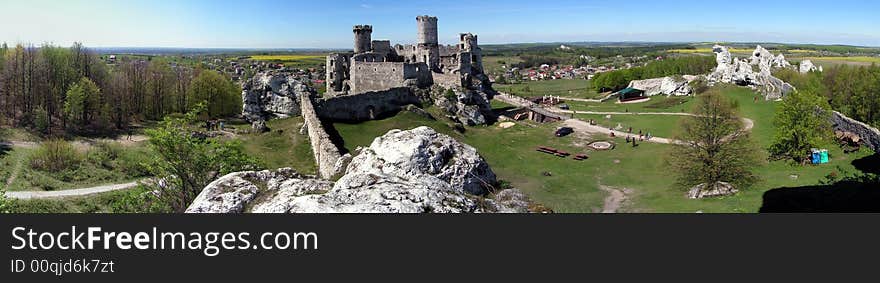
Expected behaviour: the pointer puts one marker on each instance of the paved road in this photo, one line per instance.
(69, 193)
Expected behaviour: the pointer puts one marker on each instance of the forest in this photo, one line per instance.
(620, 79)
(852, 90)
(56, 91)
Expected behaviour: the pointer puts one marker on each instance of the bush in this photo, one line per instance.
(105, 153)
(55, 156)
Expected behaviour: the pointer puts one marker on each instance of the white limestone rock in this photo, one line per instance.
(269, 95)
(668, 86)
(717, 189)
(415, 171)
(807, 66)
(755, 72)
(263, 191)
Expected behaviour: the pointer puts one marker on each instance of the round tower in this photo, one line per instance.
(427, 29)
(429, 49)
(363, 38)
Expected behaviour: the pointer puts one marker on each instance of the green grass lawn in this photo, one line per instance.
(575, 186)
(283, 146)
(564, 88)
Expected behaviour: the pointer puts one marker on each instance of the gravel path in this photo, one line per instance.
(69, 193)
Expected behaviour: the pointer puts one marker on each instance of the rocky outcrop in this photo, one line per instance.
(807, 66)
(669, 86)
(870, 136)
(716, 189)
(413, 171)
(268, 95)
(755, 73)
(470, 107)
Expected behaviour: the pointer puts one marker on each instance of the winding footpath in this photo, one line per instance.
(69, 193)
(63, 193)
(583, 126)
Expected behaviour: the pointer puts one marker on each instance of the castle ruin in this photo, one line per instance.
(376, 65)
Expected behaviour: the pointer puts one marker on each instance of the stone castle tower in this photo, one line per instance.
(363, 38)
(428, 46)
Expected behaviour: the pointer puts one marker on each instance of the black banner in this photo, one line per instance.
(127, 248)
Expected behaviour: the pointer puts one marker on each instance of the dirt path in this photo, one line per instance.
(615, 199)
(583, 126)
(69, 193)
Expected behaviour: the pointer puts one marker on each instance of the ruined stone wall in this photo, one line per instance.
(373, 76)
(366, 106)
(326, 153)
(337, 72)
(870, 135)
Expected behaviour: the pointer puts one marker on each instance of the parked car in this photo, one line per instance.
(564, 131)
(564, 107)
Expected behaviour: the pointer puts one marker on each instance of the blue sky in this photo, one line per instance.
(327, 23)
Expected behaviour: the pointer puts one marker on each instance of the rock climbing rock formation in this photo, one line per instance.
(414, 171)
(270, 94)
(669, 86)
(870, 136)
(755, 73)
(807, 66)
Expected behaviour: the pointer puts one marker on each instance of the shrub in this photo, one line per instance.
(54, 156)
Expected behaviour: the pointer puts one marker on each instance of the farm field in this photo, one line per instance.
(294, 60)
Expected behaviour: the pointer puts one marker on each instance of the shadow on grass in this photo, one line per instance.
(841, 197)
(5, 148)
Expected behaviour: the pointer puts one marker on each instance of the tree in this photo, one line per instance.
(717, 148)
(82, 101)
(802, 122)
(223, 98)
(187, 162)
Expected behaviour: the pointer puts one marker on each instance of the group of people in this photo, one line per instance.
(630, 138)
(214, 125)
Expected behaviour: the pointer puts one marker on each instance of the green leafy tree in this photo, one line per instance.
(802, 122)
(187, 162)
(223, 98)
(717, 148)
(82, 101)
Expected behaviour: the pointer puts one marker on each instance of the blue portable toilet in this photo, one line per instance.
(815, 157)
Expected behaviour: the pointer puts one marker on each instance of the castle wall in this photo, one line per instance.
(366, 106)
(373, 76)
(326, 153)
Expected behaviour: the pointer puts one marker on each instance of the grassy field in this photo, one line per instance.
(576, 186)
(283, 146)
(565, 88)
(294, 60)
(96, 167)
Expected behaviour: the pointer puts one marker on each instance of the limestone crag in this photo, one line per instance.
(755, 72)
(413, 171)
(807, 66)
(716, 189)
(270, 94)
(669, 86)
